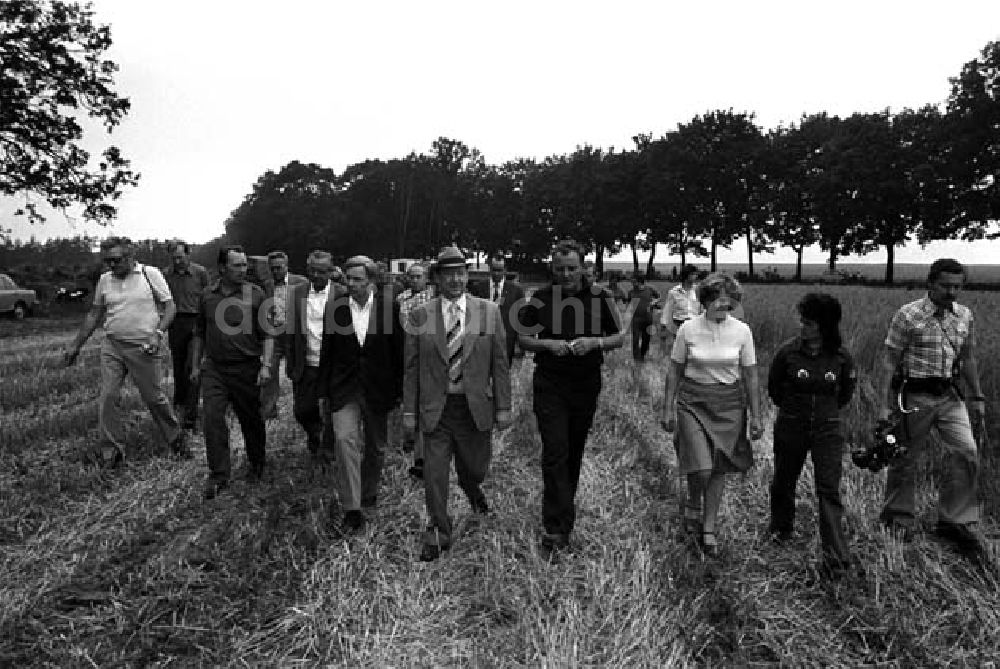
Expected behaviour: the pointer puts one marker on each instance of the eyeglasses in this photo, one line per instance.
(113, 260)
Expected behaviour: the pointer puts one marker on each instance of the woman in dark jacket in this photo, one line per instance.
(811, 379)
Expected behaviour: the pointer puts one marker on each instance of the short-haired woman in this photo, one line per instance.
(712, 370)
(811, 378)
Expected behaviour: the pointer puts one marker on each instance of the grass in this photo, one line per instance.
(130, 568)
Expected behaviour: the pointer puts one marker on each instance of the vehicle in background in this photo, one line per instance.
(19, 302)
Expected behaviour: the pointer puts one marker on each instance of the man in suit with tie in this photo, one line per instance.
(361, 379)
(456, 388)
(302, 342)
(278, 291)
(506, 294)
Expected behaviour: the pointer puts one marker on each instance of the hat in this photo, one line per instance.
(450, 256)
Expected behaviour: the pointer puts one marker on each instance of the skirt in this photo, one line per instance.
(712, 428)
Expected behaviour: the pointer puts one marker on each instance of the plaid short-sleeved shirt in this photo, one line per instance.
(930, 344)
(408, 301)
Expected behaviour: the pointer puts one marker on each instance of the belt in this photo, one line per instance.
(931, 385)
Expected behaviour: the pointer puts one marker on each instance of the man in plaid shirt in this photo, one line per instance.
(417, 294)
(931, 341)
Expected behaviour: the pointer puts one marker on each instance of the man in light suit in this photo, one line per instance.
(456, 388)
(278, 290)
(361, 380)
(507, 294)
(302, 338)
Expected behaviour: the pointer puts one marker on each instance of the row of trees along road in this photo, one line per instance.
(852, 185)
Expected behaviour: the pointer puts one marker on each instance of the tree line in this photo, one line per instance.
(851, 185)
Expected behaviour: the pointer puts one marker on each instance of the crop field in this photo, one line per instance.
(129, 567)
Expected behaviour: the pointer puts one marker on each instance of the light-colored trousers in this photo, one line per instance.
(359, 457)
(959, 487)
(119, 358)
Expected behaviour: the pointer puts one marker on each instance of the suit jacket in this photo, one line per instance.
(485, 370)
(349, 371)
(294, 332)
(511, 294)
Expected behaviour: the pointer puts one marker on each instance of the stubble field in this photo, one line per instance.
(130, 567)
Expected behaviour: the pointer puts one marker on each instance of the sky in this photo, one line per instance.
(224, 90)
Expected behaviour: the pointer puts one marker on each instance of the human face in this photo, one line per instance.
(498, 270)
(567, 270)
(358, 284)
(235, 269)
(118, 261)
(416, 278)
(179, 256)
(809, 331)
(319, 273)
(719, 309)
(279, 269)
(452, 281)
(944, 290)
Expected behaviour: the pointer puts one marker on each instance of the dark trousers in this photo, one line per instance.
(181, 335)
(793, 439)
(640, 339)
(564, 410)
(456, 433)
(271, 391)
(305, 398)
(236, 385)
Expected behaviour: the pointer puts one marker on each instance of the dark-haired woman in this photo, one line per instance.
(811, 379)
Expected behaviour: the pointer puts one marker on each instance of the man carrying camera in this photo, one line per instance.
(929, 347)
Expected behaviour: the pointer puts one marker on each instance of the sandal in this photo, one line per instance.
(709, 544)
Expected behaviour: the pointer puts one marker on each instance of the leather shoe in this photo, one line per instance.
(354, 520)
(903, 531)
(417, 470)
(431, 552)
(256, 471)
(966, 537)
(481, 506)
(213, 487)
(179, 446)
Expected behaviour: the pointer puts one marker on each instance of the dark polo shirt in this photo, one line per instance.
(232, 323)
(186, 287)
(553, 315)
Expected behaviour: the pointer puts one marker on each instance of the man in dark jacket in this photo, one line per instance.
(505, 293)
(361, 380)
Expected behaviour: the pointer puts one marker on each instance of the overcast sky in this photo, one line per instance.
(222, 91)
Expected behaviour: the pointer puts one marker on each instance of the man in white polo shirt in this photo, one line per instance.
(129, 299)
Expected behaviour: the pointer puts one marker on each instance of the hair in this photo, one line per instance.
(319, 256)
(688, 271)
(717, 283)
(497, 258)
(224, 252)
(175, 244)
(277, 255)
(371, 269)
(111, 242)
(945, 266)
(566, 246)
(824, 309)
(421, 265)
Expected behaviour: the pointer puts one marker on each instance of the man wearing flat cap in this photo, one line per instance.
(456, 388)
(361, 380)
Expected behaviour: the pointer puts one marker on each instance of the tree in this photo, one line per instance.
(53, 70)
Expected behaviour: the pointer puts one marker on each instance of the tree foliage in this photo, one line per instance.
(53, 71)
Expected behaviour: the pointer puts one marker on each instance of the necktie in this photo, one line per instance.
(455, 336)
(496, 292)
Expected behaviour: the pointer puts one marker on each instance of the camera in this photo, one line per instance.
(886, 445)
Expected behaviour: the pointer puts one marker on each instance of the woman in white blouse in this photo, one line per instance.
(712, 370)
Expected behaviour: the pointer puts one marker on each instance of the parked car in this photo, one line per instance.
(19, 302)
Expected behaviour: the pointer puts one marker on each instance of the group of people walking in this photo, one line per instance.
(354, 351)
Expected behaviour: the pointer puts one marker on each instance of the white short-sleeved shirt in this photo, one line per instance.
(130, 303)
(713, 352)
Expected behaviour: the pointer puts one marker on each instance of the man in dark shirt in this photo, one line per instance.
(567, 325)
(641, 299)
(187, 280)
(232, 332)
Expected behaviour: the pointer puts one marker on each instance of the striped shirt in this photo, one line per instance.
(714, 352)
(931, 345)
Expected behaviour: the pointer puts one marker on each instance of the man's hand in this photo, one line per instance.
(756, 431)
(584, 345)
(977, 411)
(264, 375)
(409, 425)
(195, 373)
(559, 347)
(70, 354)
(152, 346)
(884, 413)
(669, 422)
(504, 419)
